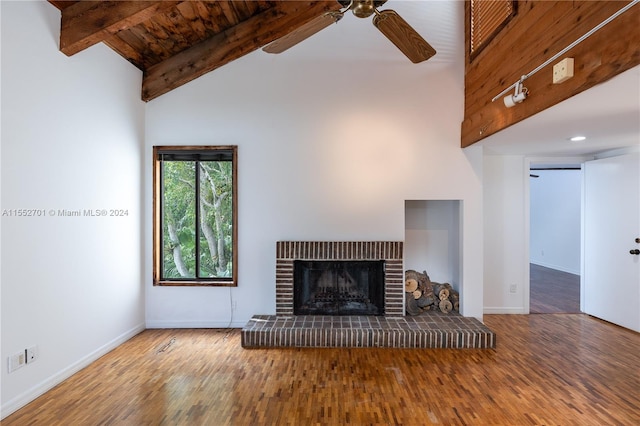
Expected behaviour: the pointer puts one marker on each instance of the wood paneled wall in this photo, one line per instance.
(540, 30)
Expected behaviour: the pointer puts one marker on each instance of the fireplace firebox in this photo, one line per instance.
(338, 287)
(388, 252)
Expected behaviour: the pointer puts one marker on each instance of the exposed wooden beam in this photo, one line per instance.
(229, 45)
(126, 51)
(61, 4)
(86, 23)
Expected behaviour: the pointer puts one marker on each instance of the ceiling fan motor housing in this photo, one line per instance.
(388, 22)
(362, 8)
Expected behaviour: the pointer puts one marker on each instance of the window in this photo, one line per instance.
(488, 17)
(195, 215)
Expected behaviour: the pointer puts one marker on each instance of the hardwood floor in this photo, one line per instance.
(546, 370)
(552, 291)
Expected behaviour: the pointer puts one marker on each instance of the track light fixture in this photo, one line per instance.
(520, 94)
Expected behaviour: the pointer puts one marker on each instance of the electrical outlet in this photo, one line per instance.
(16, 361)
(32, 354)
(563, 70)
(513, 288)
(234, 305)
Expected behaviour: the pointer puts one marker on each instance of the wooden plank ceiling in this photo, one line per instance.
(174, 42)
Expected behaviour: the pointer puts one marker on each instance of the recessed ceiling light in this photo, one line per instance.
(577, 138)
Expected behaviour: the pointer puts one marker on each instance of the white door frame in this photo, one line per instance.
(528, 161)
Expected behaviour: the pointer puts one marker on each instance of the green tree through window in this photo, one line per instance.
(195, 215)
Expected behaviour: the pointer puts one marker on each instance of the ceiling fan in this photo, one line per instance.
(392, 25)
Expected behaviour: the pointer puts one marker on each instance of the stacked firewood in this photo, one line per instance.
(424, 294)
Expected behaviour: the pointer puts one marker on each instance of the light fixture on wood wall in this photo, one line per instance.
(520, 94)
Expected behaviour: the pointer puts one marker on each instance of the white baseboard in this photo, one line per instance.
(26, 397)
(197, 324)
(556, 267)
(488, 310)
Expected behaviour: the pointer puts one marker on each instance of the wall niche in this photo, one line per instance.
(432, 240)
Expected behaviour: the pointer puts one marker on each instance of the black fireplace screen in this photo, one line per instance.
(338, 287)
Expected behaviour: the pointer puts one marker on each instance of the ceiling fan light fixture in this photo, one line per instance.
(388, 22)
(363, 8)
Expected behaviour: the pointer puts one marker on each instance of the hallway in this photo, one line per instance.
(553, 291)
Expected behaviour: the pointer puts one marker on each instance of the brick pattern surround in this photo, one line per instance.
(429, 330)
(432, 329)
(389, 251)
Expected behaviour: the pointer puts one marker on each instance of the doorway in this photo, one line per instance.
(555, 238)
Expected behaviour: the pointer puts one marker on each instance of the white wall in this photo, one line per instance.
(432, 239)
(72, 132)
(506, 227)
(555, 205)
(327, 151)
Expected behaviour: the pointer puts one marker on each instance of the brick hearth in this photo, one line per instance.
(429, 330)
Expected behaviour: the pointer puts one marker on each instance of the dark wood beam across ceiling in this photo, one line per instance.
(229, 45)
(86, 23)
(174, 42)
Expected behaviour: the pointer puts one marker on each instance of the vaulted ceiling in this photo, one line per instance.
(174, 42)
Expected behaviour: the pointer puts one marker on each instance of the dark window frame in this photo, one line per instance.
(188, 151)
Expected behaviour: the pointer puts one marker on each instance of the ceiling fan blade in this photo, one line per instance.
(403, 36)
(303, 32)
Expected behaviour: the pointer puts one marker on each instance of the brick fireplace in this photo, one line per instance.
(392, 329)
(287, 252)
